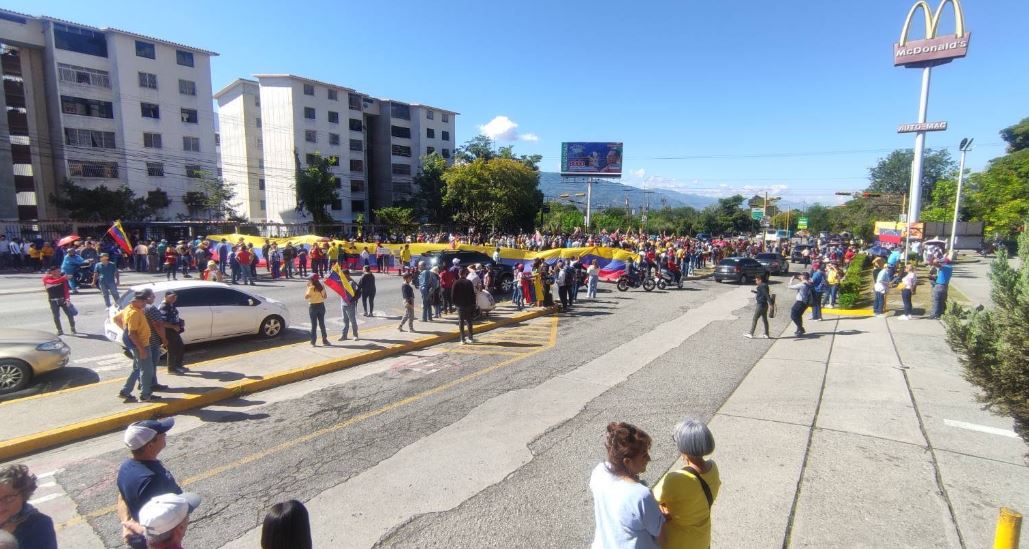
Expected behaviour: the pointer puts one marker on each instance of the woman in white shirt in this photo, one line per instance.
(626, 513)
(592, 277)
(907, 289)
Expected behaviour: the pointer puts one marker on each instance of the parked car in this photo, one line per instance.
(503, 275)
(26, 354)
(211, 311)
(774, 263)
(738, 269)
(797, 255)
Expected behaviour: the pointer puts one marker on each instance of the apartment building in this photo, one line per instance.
(269, 124)
(100, 107)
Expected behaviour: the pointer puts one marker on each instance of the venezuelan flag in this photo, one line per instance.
(340, 284)
(117, 234)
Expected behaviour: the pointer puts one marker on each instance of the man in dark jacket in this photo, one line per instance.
(763, 301)
(463, 297)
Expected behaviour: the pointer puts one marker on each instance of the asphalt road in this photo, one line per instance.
(488, 445)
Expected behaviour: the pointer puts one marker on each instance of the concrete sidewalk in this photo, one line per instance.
(46, 420)
(864, 436)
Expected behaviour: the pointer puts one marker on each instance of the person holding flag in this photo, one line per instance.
(340, 282)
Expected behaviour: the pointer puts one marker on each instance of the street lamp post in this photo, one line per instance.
(966, 145)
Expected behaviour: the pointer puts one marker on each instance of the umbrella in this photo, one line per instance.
(935, 242)
(68, 240)
(878, 250)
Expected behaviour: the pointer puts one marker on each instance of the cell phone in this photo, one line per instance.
(137, 541)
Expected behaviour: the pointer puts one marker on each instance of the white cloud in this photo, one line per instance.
(502, 128)
(640, 173)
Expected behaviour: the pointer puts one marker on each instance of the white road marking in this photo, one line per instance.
(981, 428)
(45, 498)
(50, 484)
(48, 474)
(96, 358)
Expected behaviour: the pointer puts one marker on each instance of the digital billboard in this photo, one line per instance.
(596, 159)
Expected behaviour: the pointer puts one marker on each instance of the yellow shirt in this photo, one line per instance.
(313, 296)
(689, 519)
(405, 255)
(333, 252)
(134, 320)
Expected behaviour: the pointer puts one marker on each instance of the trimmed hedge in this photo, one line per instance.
(852, 283)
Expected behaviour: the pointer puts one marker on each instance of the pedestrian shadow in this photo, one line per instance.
(512, 344)
(219, 375)
(224, 416)
(850, 332)
(57, 380)
(588, 313)
(84, 335)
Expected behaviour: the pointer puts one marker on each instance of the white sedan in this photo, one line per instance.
(211, 310)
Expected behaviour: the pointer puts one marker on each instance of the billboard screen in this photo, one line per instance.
(598, 159)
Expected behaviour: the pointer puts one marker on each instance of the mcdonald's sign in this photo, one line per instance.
(934, 49)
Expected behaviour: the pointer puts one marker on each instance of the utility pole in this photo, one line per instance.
(589, 198)
(966, 144)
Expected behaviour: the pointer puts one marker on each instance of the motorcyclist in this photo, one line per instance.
(71, 263)
(673, 268)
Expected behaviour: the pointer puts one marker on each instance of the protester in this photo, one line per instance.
(625, 511)
(944, 270)
(57, 292)
(157, 335)
(763, 300)
(882, 285)
(69, 266)
(907, 289)
(366, 287)
(425, 286)
(517, 292)
(18, 517)
(592, 278)
(286, 526)
(212, 273)
(245, 258)
(348, 308)
(316, 296)
(407, 293)
(819, 287)
(107, 278)
(463, 296)
(142, 476)
(136, 336)
(165, 519)
(832, 278)
(686, 495)
(564, 284)
(174, 325)
(802, 284)
(447, 277)
(171, 264)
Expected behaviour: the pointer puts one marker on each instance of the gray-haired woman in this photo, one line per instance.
(30, 527)
(686, 495)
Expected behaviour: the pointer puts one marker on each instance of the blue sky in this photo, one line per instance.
(798, 97)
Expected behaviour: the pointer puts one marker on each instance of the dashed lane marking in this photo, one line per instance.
(980, 428)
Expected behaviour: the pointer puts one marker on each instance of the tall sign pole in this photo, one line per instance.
(933, 50)
(966, 144)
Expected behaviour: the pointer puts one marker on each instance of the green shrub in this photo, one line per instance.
(852, 283)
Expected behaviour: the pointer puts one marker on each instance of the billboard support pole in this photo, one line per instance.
(915, 189)
(589, 198)
(965, 145)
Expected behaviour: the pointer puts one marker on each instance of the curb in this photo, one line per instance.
(848, 312)
(22, 446)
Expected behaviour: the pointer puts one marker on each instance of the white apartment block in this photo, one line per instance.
(100, 107)
(269, 124)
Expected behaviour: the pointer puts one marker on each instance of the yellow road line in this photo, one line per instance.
(481, 352)
(332, 428)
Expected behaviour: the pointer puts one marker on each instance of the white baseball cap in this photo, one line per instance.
(163, 513)
(140, 433)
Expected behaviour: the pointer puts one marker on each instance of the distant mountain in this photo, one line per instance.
(611, 193)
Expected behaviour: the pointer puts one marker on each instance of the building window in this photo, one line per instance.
(218, 171)
(357, 205)
(310, 158)
(194, 171)
(260, 184)
(257, 100)
(430, 133)
(189, 116)
(333, 95)
(262, 205)
(310, 136)
(309, 113)
(400, 131)
(89, 42)
(356, 165)
(399, 110)
(333, 117)
(337, 204)
(191, 144)
(401, 169)
(85, 168)
(155, 169)
(260, 163)
(148, 80)
(308, 89)
(260, 142)
(446, 118)
(152, 140)
(401, 150)
(337, 182)
(354, 101)
(83, 75)
(184, 58)
(430, 115)
(446, 135)
(446, 153)
(89, 138)
(356, 125)
(86, 107)
(145, 49)
(429, 150)
(217, 139)
(356, 186)
(356, 145)
(401, 187)
(150, 110)
(187, 87)
(258, 121)
(333, 139)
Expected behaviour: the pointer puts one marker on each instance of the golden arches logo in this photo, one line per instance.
(933, 49)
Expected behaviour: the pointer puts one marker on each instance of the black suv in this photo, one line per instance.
(503, 275)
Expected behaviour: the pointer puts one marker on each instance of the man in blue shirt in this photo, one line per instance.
(106, 277)
(143, 476)
(69, 265)
(943, 274)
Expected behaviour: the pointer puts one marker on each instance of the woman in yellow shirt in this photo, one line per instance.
(686, 495)
(316, 297)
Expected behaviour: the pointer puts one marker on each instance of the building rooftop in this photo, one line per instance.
(119, 31)
(330, 85)
(233, 84)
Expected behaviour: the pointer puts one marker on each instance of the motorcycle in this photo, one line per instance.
(666, 279)
(83, 275)
(635, 280)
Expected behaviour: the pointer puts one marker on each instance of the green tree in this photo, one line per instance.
(209, 197)
(315, 187)
(993, 345)
(893, 173)
(476, 148)
(498, 193)
(1000, 193)
(428, 199)
(396, 216)
(100, 203)
(563, 217)
(1017, 136)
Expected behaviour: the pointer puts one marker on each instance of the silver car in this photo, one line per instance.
(25, 354)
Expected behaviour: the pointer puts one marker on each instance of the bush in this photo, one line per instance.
(852, 283)
(993, 345)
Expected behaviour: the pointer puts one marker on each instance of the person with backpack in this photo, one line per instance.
(686, 495)
(801, 283)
